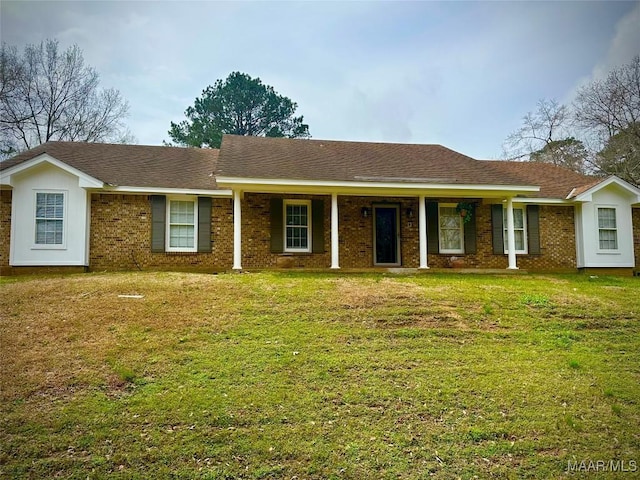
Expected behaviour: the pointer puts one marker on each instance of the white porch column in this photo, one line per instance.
(422, 228)
(335, 250)
(237, 231)
(511, 236)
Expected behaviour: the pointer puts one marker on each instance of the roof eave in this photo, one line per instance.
(274, 185)
(85, 181)
(587, 196)
(168, 191)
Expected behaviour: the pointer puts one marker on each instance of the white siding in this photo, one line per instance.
(588, 249)
(49, 178)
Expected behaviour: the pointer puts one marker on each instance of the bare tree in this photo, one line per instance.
(610, 111)
(612, 105)
(545, 136)
(47, 95)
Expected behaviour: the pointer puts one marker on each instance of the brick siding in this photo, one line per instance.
(557, 236)
(256, 234)
(120, 236)
(5, 228)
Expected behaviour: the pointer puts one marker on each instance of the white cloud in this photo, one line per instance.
(624, 45)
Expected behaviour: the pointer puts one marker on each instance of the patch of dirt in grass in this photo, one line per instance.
(392, 304)
(354, 294)
(58, 333)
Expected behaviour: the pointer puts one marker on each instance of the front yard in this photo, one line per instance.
(272, 375)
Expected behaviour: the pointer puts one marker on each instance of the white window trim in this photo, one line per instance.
(461, 226)
(285, 203)
(65, 216)
(525, 251)
(168, 246)
(607, 251)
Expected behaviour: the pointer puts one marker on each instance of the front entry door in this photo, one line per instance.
(386, 236)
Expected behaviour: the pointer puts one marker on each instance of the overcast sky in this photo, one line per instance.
(455, 73)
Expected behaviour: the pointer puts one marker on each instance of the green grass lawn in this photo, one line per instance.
(272, 375)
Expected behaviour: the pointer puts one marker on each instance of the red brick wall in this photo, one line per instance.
(557, 242)
(256, 234)
(120, 236)
(5, 228)
(557, 236)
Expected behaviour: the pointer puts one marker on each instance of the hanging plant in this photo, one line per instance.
(465, 210)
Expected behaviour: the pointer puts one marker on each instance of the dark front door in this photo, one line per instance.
(386, 238)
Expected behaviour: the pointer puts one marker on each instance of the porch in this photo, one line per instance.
(352, 233)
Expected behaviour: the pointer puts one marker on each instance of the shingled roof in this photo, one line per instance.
(554, 181)
(281, 158)
(292, 159)
(132, 165)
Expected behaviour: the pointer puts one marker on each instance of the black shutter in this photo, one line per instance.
(317, 226)
(277, 226)
(497, 229)
(158, 220)
(470, 234)
(533, 229)
(204, 224)
(433, 243)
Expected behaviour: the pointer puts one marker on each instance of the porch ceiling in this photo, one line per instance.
(368, 188)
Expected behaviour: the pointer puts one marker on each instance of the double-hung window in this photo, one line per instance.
(182, 221)
(297, 226)
(607, 228)
(451, 229)
(49, 218)
(519, 227)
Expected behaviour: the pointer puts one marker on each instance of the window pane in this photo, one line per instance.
(519, 236)
(297, 215)
(48, 232)
(518, 218)
(49, 205)
(518, 229)
(519, 240)
(450, 229)
(449, 218)
(608, 240)
(181, 236)
(181, 212)
(297, 237)
(297, 226)
(49, 218)
(606, 218)
(451, 239)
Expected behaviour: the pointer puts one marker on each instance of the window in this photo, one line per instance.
(519, 227)
(296, 226)
(182, 221)
(451, 230)
(607, 229)
(49, 218)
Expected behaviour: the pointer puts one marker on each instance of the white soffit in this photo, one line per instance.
(268, 185)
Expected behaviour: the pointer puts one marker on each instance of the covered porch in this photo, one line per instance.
(387, 228)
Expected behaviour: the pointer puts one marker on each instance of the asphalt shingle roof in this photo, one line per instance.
(280, 158)
(133, 165)
(554, 182)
